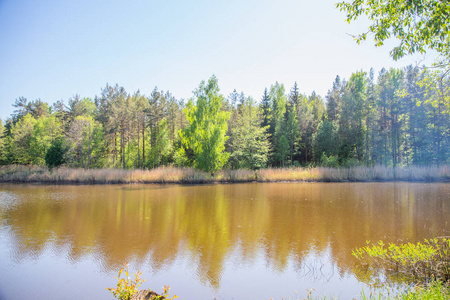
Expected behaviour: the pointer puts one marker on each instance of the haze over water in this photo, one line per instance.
(237, 241)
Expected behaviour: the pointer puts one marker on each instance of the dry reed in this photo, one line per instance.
(17, 173)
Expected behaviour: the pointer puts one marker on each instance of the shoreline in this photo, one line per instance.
(18, 174)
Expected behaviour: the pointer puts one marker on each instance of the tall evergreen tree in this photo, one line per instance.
(333, 99)
(250, 148)
(294, 96)
(325, 140)
(351, 130)
(279, 100)
(291, 129)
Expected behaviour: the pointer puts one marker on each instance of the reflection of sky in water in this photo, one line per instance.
(53, 274)
(244, 241)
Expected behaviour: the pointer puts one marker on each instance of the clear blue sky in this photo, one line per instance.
(54, 49)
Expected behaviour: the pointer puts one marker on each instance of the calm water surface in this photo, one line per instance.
(239, 241)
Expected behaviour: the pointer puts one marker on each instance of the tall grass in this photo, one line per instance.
(18, 173)
(435, 290)
(376, 173)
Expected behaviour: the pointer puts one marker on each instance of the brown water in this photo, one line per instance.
(239, 241)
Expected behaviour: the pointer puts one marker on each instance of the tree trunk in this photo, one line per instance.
(89, 148)
(122, 143)
(138, 145)
(143, 141)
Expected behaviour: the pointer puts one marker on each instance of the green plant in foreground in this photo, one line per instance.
(435, 290)
(165, 295)
(126, 287)
(418, 263)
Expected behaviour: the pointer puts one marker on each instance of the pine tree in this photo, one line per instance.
(279, 100)
(325, 140)
(294, 96)
(250, 148)
(333, 99)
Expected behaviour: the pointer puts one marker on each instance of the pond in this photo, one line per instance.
(231, 241)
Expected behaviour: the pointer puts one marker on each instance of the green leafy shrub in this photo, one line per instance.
(419, 263)
(126, 287)
(331, 161)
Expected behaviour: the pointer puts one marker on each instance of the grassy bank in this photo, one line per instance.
(17, 173)
(436, 290)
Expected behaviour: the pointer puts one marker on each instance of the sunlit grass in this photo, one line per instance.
(435, 290)
(376, 173)
(17, 173)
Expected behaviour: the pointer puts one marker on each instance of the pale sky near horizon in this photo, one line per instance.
(54, 49)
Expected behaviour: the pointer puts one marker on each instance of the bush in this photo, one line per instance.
(54, 157)
(418, 263)
(126, 287)
(329, 161)
(350, 162)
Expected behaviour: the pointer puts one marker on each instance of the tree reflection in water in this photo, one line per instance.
(281, 223)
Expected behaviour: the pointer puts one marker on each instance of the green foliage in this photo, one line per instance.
(30, 138)
(180, 158)
(81, 107)
(401, 119)
(85, 143)
(419, 262)
(282, 150)
(206, 134)
(325, 141)
(159, 154)
(351, 126)
(278, 109)
(331, 161)
(250, 145)
(2, 143)
(436, 87)
(21, 140)
(435, 290)
(278, 96)
(418, 25)
(45, 131)
(291, 129)
(55, 154)
(165, 295)
(126, 287)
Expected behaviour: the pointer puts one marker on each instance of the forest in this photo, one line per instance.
(398, 117)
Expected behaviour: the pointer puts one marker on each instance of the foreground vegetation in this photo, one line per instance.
(18, 173)
(436, 290)
(421, 262)
(425, 265)
(127, 288)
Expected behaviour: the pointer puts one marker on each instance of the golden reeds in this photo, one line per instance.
(17, 173)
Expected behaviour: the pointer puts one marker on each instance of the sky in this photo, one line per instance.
(55, 49)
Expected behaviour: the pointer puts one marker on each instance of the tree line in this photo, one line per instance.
(399, 117)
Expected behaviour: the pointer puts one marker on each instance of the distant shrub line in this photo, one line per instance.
(29, 174)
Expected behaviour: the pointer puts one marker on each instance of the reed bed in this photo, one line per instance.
(357, 174)
(242, 175)
(18, 173)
